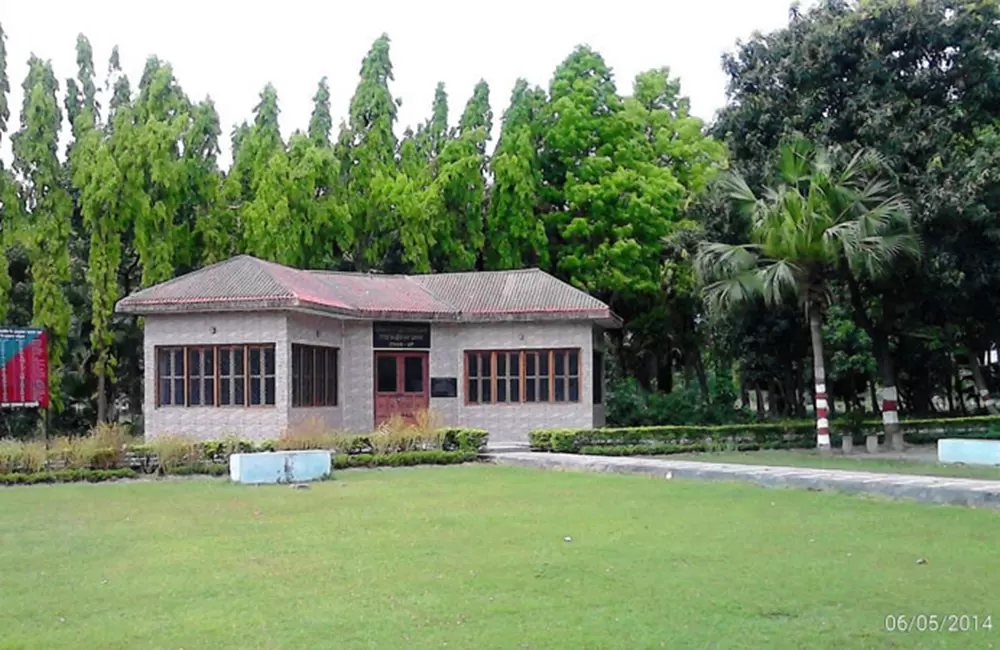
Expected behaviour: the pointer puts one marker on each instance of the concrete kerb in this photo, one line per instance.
(927, 489)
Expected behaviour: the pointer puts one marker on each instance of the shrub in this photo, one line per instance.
(629, 405)
(460, 439)
(17, 456)
(73, 453)
(210, 469)
(173, 451)
(108, 443)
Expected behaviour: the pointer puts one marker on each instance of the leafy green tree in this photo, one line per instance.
(410, 202)
(458, 233)
(432, 136)
(617, 176)
(161, 114)
(913, 81)
(201, 201)
(49, 207)
(296, 217)
(321, 122)
(81, 92)
(253, 148)
(106, 196)
(369, 155)
(8, 189)
(819, 218)
(117, 87)
(515, 233)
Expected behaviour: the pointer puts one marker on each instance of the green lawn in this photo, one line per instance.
(474, 557)
(858, 461)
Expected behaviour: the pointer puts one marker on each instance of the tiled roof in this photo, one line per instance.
(247, 283)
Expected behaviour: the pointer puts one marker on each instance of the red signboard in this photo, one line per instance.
(24, 367)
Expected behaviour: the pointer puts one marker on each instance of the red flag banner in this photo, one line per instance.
(24, 368)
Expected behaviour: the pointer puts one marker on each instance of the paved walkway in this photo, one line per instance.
(930, 489)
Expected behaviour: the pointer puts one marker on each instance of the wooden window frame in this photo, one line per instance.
(171, 350)
(201, 378)
(231, 380)
(262, 375)
(216, 377)
(549, 355)
(331, 362)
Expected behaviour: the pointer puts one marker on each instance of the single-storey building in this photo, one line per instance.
(247, 348)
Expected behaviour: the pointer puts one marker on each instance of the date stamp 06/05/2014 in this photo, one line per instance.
(942, 623)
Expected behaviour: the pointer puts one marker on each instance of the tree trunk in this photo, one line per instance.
(977, 376)
(819, 378)
(800, 391)
(950, 386)
(957, 379)
(761, 409)
(880, 346)
(890, 409)
(699, 369)
(665, 372)
(102, 398)
(744, 391)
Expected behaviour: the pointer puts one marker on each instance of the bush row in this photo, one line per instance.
(340, 461)
(758, 436)
(403, 459)
(66, 476)
(109, 448)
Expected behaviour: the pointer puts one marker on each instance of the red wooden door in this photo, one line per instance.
(401, 380)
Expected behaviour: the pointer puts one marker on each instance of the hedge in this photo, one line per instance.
(783, 435)
(403, 459)
(66, 476)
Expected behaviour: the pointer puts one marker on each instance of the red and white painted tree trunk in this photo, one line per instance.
(890, 418)
(819, 377)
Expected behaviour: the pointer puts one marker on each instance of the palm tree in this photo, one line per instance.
(820, 217)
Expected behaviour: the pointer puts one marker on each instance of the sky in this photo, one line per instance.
(230, 50)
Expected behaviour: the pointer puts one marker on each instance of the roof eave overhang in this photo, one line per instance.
(196, 306)
(603, 317)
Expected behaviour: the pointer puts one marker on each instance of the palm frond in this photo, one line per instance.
(780, 280)
(742, 288)
(715, 260)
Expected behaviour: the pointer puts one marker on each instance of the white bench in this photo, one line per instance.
(279, 467)
(969, 451)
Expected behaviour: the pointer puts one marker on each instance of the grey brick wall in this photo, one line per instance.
(355, 411)
(512, 422)
(213, 423)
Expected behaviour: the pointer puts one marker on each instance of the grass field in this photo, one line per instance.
(859, 462)
(475, 557)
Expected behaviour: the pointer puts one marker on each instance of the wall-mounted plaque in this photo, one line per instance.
(401, 336)
(444, 387)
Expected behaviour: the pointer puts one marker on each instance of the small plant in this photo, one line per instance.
(173, 451)
(73, 452)
(311, 433)
(108, 444)
(17, 456)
